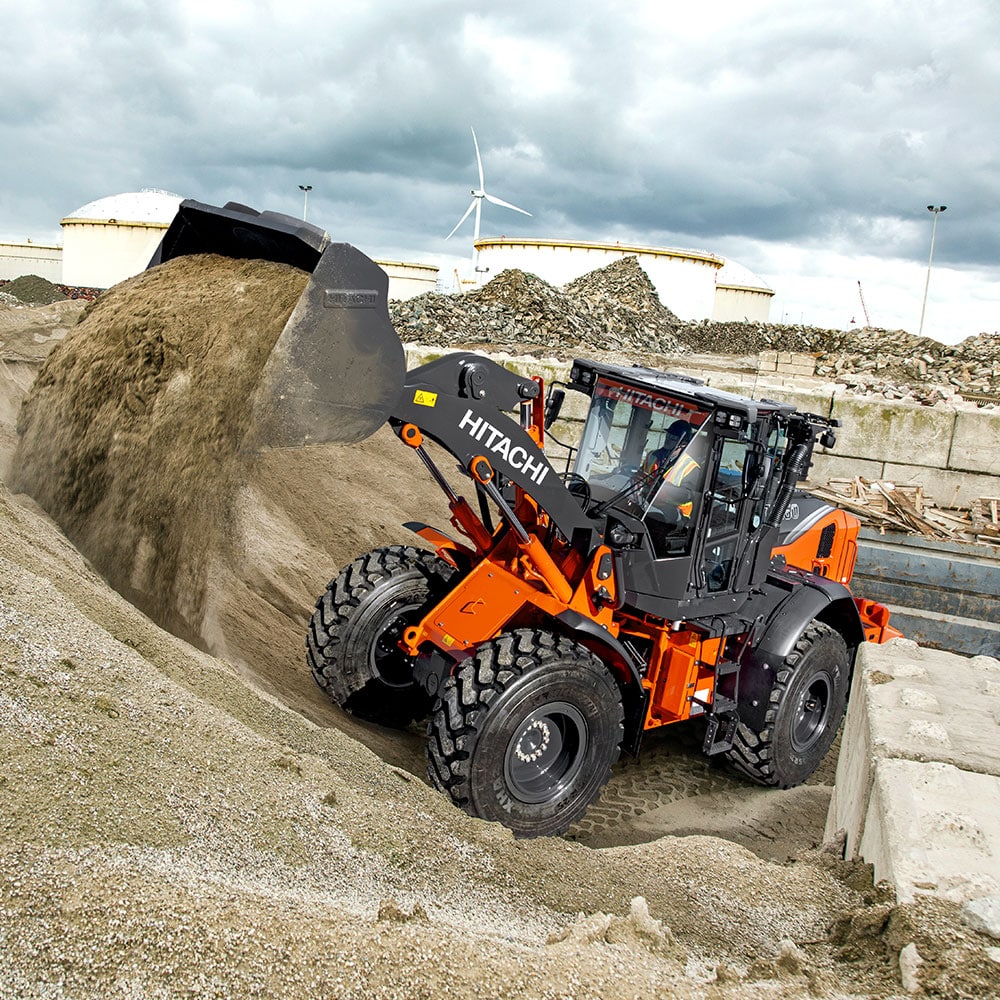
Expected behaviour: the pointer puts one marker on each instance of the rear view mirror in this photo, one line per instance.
(553, 404)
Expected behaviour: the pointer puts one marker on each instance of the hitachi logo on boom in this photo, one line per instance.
(495, 441)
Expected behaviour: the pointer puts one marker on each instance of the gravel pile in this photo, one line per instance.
(617, 309)
(614, 309)
(30, 289)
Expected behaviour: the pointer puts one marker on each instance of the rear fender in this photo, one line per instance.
(812, 598)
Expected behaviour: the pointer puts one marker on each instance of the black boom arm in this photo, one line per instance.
(462, 401)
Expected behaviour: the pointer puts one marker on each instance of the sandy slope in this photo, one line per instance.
(165, 827)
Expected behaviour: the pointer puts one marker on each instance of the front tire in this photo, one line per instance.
(806, 704)
(352, 644)
(526, 732)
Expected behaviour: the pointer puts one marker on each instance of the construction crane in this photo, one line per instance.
(864, 308)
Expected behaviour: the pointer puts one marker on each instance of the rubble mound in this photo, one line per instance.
(613, 309)
(617, 309)
(32, 290)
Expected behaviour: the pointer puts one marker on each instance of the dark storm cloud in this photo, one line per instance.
(820, 124)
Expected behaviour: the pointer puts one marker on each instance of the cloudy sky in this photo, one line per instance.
(802, 139)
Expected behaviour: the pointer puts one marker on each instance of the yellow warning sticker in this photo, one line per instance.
(422, 398)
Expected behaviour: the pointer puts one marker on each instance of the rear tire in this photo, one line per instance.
(351, 646)
(805, 707)
(526, 732)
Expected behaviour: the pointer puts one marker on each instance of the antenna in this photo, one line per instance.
(478, 194)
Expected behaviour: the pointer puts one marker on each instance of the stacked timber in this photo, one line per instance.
(891, 507)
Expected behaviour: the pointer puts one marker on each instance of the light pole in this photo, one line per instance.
(937, 210)
(305, 189)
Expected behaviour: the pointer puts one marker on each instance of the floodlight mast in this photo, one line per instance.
(937, 210)
(305, 189)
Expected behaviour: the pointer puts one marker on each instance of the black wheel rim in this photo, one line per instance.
(387, 661)
(811, 714)
(546, 752)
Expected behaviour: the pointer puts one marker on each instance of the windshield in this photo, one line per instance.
(634, 437)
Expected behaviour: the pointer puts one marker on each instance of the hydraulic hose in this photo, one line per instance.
(794, 471)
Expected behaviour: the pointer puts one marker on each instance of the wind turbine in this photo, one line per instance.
(478, 194)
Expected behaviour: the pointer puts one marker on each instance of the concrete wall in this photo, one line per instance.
(43, 259)
(951, 453)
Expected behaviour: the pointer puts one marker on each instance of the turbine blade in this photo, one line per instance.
(503, 204)
(468, 212)
(479, 159)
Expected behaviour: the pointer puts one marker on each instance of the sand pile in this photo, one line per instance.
(130, 434)
(131, 439)
(167, 831)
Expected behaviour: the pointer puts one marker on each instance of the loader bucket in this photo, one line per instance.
(336, 371)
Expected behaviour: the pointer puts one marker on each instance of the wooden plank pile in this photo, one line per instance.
(892, 507)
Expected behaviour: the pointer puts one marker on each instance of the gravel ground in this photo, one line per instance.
(167, 830)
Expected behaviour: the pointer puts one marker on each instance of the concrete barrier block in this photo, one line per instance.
(946, 488)
(853, 781)
(929, 705)
(974, 443)
(903, 432)
(933, 828)
(917, 788)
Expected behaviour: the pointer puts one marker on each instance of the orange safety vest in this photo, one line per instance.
(676, 475)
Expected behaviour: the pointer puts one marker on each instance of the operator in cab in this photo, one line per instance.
(669, 463)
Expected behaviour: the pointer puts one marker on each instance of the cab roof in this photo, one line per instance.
(585, 373)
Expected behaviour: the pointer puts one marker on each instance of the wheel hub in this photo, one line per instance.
(546, 752)
(534, 741)
(811, 716)
(387, 661)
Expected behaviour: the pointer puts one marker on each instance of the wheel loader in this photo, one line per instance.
(662, 567)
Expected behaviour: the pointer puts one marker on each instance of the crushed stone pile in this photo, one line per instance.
(616, 309)
(30, 289)
(870, 360)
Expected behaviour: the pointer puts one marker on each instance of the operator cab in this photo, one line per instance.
(682, 467)
(645, 453)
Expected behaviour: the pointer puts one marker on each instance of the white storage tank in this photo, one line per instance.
(111, 239)
(19, 259)
(684, 279)
(407, 280)
(740, 295)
